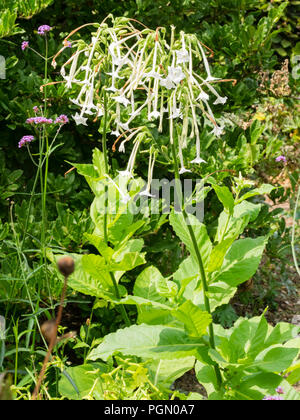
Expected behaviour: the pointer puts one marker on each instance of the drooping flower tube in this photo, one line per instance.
(141, 69)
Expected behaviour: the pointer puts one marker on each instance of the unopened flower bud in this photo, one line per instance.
(66, 266)
(48, 330)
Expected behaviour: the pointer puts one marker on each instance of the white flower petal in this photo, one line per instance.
(184, 170)
(198, 160)
(220, 100)
(79, 119)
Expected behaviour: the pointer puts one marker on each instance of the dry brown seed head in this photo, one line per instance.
(48, 329)
(66, 266)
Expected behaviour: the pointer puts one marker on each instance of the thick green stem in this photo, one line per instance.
(105, 230)
(199, 259)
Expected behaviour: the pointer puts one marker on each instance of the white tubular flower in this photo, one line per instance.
(176, 74)
(130, 166)
(70, 78)
(161, 117)
(153, 73)
(195, 126)
(79, 119)
(167, 83)
(125, 197)
(100, 111)
(221, 100)
(203, 96)
(115, 133)
(122, 145)
(176, 112)
(138, 71)
(206, 65)
(146, 192)
(183, 55)
(124, 126)
(218, 130)
(198, 160)
(154, 114)
(112, 88)
(183, 170)
(121, 99)
(89, 100)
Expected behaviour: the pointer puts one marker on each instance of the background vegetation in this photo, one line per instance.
(254, 42)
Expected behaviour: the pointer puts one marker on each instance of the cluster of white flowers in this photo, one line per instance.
(146, 79)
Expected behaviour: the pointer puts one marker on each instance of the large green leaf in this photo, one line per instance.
(225, 196)
(90, 277)
(259, 385)
(81, 382)
(231, 226)
(165, 372)
(187, 277)
(204, 244)
(194, 319)
(8, 27)
(262, 190)
(275, 359)
(241, 261)
(247, 345)
(150, 341)
(151, 285)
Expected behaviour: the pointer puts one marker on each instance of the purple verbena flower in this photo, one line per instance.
(24, 140)
(25, 44)
(281, 158)
(43, 29)
(39, 120)
(279, 390)
(62, 119)
(36, 109)
(273, 397)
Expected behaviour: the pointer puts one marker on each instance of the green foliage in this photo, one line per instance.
(149, 265)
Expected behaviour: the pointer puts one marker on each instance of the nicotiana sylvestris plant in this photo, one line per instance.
(130, 79)
(147, 80)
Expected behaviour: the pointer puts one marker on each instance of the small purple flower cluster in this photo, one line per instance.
(279, 390)
(39, 120)
(24, 140)
(25, 44)
(44, 29)
(281, 158)
(62, 119)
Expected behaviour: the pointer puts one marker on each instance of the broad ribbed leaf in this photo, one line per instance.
(149, 341)
(241, 261)
(165, 372)
(148, 284)
(243, 213)
(195, 321)
(225, 196)
(203, 242)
